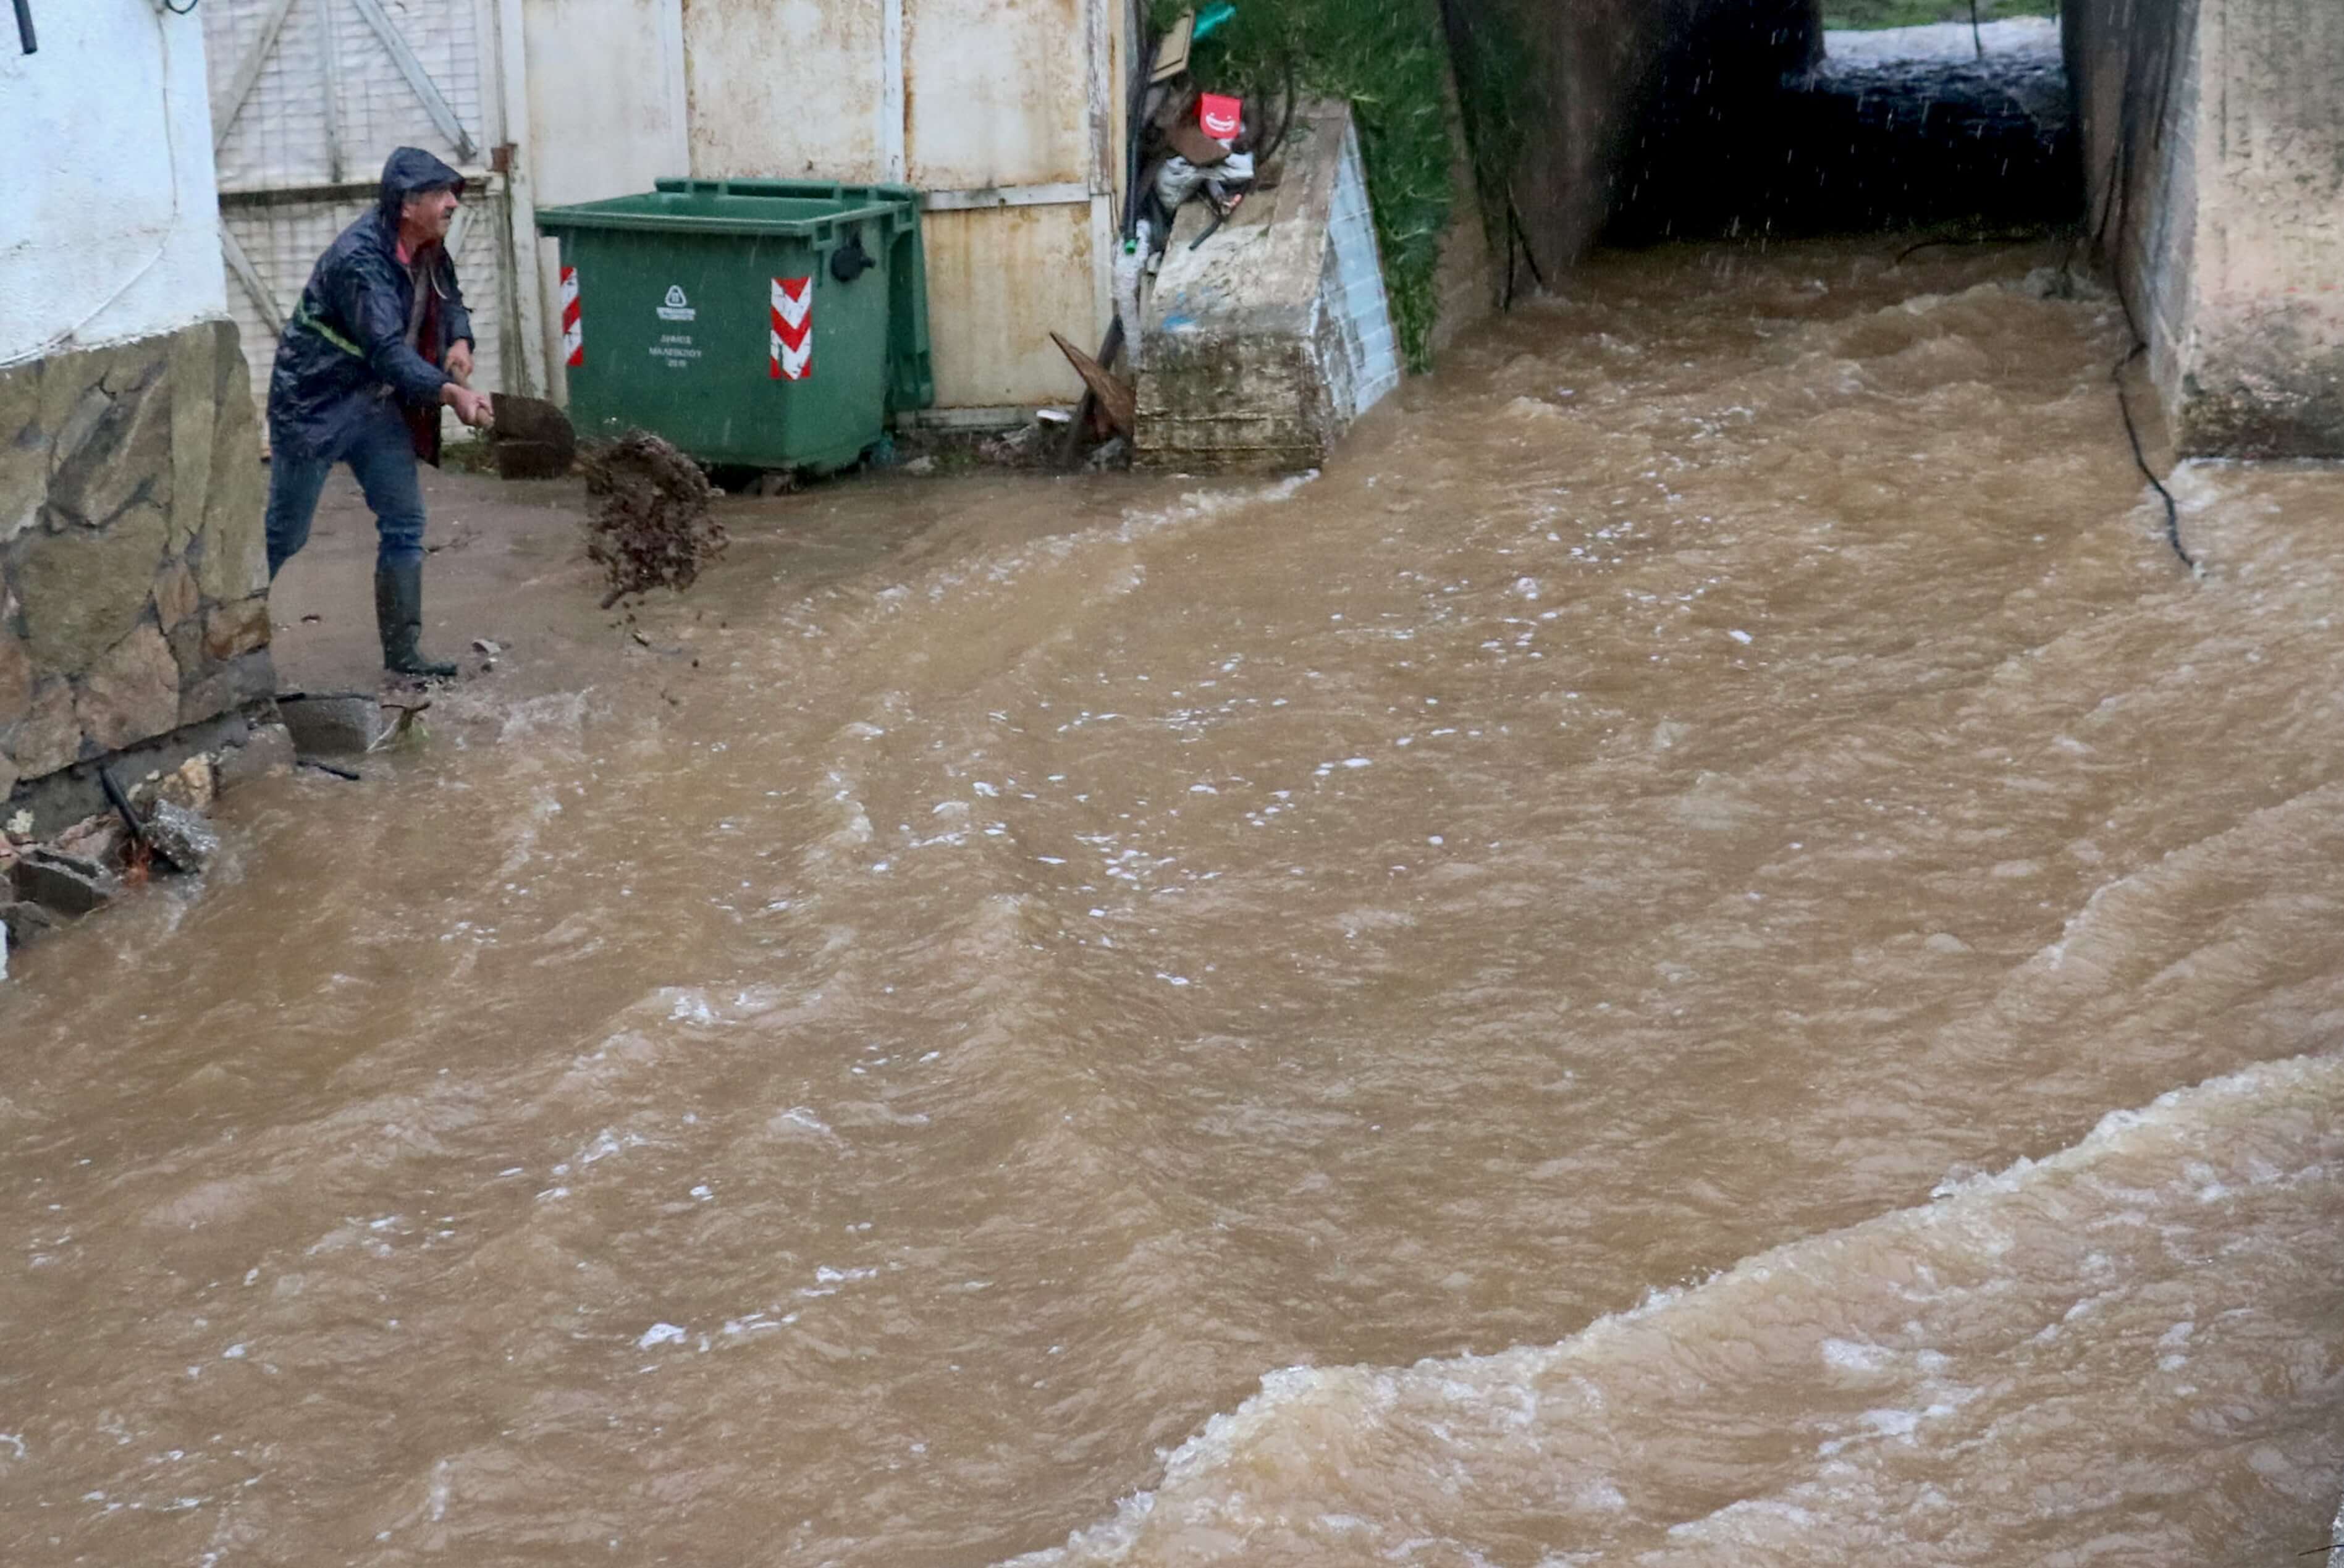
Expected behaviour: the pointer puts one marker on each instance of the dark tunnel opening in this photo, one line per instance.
(1871, 133)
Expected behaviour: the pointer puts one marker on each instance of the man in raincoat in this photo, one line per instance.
(379, 343)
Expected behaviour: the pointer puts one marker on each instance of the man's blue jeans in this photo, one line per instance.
(381, 455)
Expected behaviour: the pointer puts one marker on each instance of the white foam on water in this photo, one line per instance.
(1391, 1457)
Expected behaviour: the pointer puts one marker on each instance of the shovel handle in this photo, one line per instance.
(25, 26)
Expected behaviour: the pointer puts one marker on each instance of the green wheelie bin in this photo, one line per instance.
(769, 324)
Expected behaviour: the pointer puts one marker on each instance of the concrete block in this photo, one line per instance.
(63, 883)
(182, 837)
(332, 724)
(269, 750)
(24, 921)
(1260, 348)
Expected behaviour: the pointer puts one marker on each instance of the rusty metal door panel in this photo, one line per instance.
(606, 117)
(999, 283)
(606, 110)
(998, 94)
(792, 89)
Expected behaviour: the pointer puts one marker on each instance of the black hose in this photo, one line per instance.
(121, 803)
(2140, 458)
(24, 35)
(2118, 206)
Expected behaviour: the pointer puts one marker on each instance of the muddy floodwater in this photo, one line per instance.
(1704, 951)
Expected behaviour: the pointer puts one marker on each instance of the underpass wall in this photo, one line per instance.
(1625, 97)
(2213, 137)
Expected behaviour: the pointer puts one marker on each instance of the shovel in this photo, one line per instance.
(531, 439)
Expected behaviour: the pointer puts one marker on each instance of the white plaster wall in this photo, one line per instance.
(606, 117)
(109, 219)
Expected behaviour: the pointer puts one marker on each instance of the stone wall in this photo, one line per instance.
(2213, 135)
(134, 577)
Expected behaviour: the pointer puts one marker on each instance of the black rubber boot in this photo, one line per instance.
(398, 616)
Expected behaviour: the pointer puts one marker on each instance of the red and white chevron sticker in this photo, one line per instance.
(573, 329)
(792, 332)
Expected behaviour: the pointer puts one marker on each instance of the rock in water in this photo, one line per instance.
(64, 883)
(181, 837)
(651, 529)
(24, 921)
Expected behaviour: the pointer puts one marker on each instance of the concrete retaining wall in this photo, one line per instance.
(2213, 135)
(133, 573)
(1261, 347)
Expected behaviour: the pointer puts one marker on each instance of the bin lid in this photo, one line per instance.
(729, 210)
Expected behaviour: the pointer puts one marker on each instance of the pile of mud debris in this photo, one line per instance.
(650, 526)
(155, 827)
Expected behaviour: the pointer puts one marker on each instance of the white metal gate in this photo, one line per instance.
(308, 99)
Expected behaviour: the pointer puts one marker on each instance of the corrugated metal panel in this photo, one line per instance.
(606, 117)
(999, 283)
(606, 102)
(798, 89)
(996, 95)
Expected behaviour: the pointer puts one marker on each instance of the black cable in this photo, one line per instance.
(2132, 432)
(2016, 236)
(2119, 205)
(24, 35)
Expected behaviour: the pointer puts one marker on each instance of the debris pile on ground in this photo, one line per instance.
(652, 527)
(155, 827)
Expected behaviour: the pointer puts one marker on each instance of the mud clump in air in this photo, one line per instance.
(651, 528)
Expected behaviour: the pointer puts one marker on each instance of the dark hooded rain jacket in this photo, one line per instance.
(347, 342)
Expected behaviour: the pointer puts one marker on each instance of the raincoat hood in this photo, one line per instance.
(409, 171)
(348, 344)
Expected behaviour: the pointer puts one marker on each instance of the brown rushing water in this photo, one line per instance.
(1704, 953)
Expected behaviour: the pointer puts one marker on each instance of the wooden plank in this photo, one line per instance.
(330, 92)
(1114, 397)
(240, 263)
(229, 99)
(435, 102)
(477, 182)
(1065, 193)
